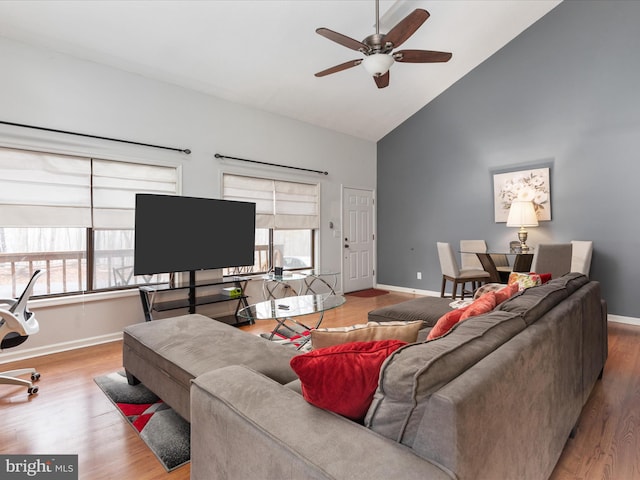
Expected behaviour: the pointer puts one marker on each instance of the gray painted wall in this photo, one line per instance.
(565, 93)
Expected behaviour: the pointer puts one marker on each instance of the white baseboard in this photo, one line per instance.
(23, 354)
(431, 293)
(621, 319)
(393, 288)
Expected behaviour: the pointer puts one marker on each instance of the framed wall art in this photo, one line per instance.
(529, 184)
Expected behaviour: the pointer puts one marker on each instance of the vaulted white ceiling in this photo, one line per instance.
(264, 53)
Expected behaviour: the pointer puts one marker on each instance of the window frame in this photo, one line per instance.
(313, 231)
(88, 258)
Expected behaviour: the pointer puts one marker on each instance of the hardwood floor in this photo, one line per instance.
(71, 415)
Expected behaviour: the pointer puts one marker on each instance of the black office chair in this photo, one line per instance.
(16, 324)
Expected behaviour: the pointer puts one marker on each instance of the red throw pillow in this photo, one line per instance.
(506, 293)
(544, 277)
(343, 378)
(484, 304)
(446, 323)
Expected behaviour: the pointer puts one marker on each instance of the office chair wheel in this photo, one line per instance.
(35, 377)
(32, 390)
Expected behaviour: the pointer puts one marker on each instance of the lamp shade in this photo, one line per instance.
(377, 64)
(522, 214)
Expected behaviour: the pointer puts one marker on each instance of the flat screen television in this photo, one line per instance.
(185, 234)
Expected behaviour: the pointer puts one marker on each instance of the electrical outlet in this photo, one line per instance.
(419, 275)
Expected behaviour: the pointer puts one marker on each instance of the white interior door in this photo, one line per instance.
(357, 236)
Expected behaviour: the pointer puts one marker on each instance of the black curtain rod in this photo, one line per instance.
(183, 150)
(217, 155)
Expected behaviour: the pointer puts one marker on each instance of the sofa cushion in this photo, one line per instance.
(366, 332)
(427, 309)
(414, 372)
(571, 281)
(534, 302)
(342, 378)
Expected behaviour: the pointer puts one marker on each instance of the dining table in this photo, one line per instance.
(498, 267)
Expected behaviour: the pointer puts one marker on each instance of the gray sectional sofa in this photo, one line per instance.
(496, 397)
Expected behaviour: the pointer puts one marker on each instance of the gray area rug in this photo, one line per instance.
(165, 432)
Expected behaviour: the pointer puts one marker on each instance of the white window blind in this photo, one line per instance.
(44, 190)
(279, 204)
(115, 185)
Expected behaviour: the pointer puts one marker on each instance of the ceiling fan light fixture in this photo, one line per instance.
(378, 49)
(377, 64)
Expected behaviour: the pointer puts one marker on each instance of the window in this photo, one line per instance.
(287, 214)
(72, 216)
(293, 249)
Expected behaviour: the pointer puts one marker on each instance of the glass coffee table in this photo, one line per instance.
(287, 309)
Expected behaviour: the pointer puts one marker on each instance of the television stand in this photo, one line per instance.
(188, 296)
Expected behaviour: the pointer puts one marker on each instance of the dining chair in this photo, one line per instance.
(468, 250)
(581, 256)
(452, 272)
(553, 258)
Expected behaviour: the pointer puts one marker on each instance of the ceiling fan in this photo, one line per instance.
(378, 48)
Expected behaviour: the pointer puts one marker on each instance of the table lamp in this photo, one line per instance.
(522, 214)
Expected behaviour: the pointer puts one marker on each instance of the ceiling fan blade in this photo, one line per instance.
(421, 56)
(342, 39)
(406, 27)
(339, 68)
(382, 81)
